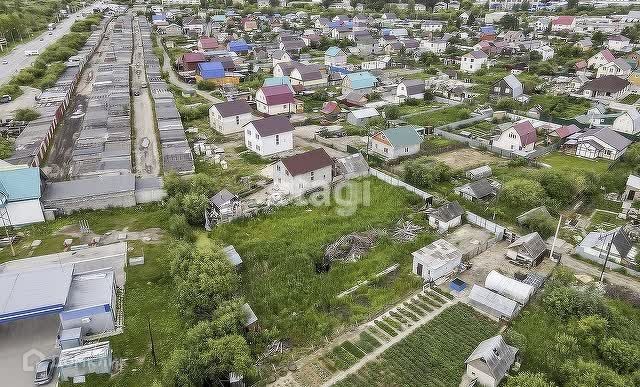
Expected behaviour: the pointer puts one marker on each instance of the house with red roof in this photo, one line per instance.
(277, 99)
(207, 44)
(268, 136)
(520, 137)
(189, 61)
(304, 172)
(563, 23)
(601, 58)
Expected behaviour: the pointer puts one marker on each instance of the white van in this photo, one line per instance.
(31, 52)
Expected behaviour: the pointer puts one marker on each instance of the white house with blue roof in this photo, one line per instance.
(20, 192)
(334, 56)
(396, 142)
(362, 81)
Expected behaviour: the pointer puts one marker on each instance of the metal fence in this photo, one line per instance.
(399, 183)
(473, 143)
(488, 225)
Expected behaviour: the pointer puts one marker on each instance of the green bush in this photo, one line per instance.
(26, 114)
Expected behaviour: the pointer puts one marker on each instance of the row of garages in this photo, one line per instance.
(32, 144)
(104, 142)
(176, 153)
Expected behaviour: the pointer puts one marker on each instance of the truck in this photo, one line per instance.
(31, 52)
(51, 26)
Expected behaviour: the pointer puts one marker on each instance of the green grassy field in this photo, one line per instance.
(433, 355)
(440, 117)
(280, 251)
(570, 163)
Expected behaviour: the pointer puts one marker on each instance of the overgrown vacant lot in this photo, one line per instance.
(433, 355)
(280, 251)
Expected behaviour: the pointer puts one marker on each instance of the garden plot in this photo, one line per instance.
(467, 158)
(483, 129)
(432, 355)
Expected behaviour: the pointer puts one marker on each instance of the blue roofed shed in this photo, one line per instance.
(211, 70)
(239, 45)
(362, 80)
(20, 183)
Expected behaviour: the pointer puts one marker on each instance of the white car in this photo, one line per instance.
(5, 61)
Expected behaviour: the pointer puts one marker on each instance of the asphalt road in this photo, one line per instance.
(17, 60)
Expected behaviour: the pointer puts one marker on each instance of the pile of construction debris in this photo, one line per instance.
(406, 231)
(350, 247)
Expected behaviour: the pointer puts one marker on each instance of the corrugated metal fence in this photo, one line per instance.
(493, 227)
(399, 183)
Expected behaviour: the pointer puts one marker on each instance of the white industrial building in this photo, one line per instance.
(436, 260)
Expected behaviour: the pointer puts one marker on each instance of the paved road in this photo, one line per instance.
(147, 160)
(175, 79)
(17, 60)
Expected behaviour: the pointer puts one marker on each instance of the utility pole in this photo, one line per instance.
(606, 258)
(555, 237)
(153, 348)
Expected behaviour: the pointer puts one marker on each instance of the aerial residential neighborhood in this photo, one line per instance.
(320, 193)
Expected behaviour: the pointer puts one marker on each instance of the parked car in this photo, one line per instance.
(5, 98)
(4, 61)
(45, 371)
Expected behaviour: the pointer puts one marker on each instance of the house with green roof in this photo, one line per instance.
(20, 191)
(396, 142)
(362, 81)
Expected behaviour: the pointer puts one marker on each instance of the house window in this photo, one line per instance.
(406, 150)
(257, 135)
(386, 150)
(496, 89)
(507, 90)
(278, 167)
(284, 107)
(249, 144)
(277, 139)
(258, 147)
(311, 175)
(248, 132)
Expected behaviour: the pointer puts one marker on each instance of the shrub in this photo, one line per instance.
(426, 175)
(26, 114)
(522, 193)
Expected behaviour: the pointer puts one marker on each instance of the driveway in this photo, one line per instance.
(32, 339)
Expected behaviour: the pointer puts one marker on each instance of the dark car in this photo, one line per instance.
(45, 371)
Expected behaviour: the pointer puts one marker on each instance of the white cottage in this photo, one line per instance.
(628, 122)
(602, 143)
(230, 117)
(268, 136)
(521, 136)
(446, 217)
(489, 363)
(301, 173)
(473, 61)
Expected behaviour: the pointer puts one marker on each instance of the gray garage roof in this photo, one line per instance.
(35, 292)
(101, 185)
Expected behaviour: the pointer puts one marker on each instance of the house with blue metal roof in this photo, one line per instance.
(362, 81)
(20, 191)
(214, 72)
(239, 46)
(396, 142)
(334, 56)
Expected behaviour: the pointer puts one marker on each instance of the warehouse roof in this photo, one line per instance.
(102, 185)
(34, 292)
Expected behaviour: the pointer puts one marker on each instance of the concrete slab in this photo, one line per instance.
(23, 344)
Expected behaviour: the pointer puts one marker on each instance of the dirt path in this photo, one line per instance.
(378, 351)
(610, 276)
(175, 79)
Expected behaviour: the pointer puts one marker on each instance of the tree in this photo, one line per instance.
(590, 329)
(179, 227)
(521, 193)
(472, 19)
(26, 114)
(632, 155)
(509, 22)
(529, 379)
(426, 175)
(204, 279)
(597, 38)
(392, 112)
(572, 3)
(194, 206)
(580, 373)
(558, 185)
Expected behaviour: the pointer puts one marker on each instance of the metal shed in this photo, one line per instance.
(87, 359)
(492, 303)
(479, 173)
